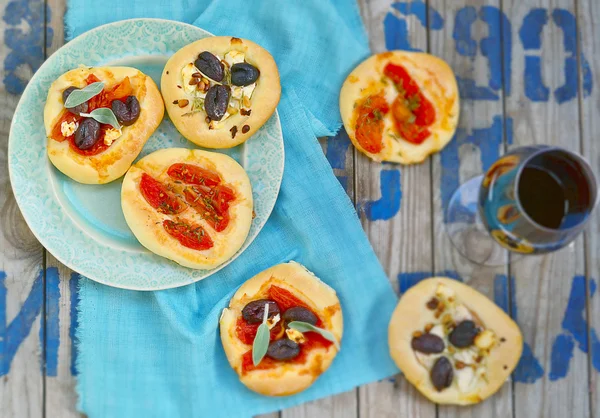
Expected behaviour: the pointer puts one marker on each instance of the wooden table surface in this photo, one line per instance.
(528, 73)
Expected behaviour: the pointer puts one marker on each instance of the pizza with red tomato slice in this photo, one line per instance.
(191, 206)
(400, 106)
(86, 147)
(293, 360)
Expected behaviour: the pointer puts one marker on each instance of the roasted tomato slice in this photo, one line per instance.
(157, 196)
(411, 110)
(246, 332)
(68, 117)
(188, 235)
(413, 133)
(400, 77)
(192, 174)
(119, 91)
(212, 204)
(369, 122)
(425, 112)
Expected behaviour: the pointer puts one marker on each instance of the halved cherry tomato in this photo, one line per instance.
(157, 196)
(188, 235)
(192, 174)
(369, 122)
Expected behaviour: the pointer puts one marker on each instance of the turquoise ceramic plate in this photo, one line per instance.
(82, 225)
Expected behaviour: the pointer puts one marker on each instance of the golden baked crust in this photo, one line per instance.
(286, 379)
(437, 83)
(146, 222)
(194, 127)
(412, 314)
(113, 162)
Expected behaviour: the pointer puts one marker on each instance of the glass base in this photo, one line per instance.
(468, 233)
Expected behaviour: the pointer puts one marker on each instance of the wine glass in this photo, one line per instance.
(533, 200)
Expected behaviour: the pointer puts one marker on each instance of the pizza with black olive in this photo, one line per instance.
(452, 343)
(94, 152)
(289, 294)
(400, 106)
(191, 206)
(220, 90)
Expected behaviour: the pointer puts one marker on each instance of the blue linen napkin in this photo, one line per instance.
(159, 353)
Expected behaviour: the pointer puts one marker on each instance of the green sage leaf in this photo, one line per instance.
(306, 327)
(261, 340)
(103, 115)
(80, 96)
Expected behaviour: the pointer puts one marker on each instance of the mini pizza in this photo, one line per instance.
(303, 325)
(88, 148)
(452, 343)
(400, 106)
(220, 90)
(191, 206)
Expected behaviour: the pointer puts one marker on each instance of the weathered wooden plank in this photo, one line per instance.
(61, 294)
(21, 256)
(478, 142)
(340, 406)
(589, 82)
(61, 303)
(544, 108)
(400, 234)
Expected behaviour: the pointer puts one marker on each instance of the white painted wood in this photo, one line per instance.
(543, 283)
(589, 30)
(21, 258)
(475, 114)
(403, 243)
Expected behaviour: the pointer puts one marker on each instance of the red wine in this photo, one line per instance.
(542, 197)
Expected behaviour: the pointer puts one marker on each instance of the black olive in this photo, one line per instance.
(127, 113)
(216, 101)
(254, 311)
(428, 344)
(243, 74)
(298, 313)
(441, 374)
(87, 134)
(77, 110)
(283, 349)
(210, 66)
(464, 334)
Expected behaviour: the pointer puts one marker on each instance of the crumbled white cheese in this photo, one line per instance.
(234, 57)
(438, 330)
(465, 378)
(68, 128)
(248, 90)
(111, 135)
(426, 360)
(461, 313)
(467, 356)
(444, 291)
(271, 322)
(295, 336)
(237, 92)
(186, 76)
(216, 124)
(485, 339)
